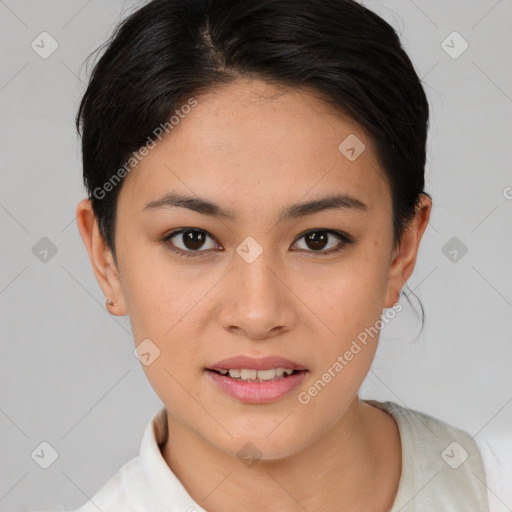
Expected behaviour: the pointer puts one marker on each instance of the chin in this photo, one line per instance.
(263, 442)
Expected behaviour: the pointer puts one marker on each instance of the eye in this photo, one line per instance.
(317, 240)
(192, 240)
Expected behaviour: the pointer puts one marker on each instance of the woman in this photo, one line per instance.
(255, 177)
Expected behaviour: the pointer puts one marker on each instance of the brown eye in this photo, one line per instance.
(317, 240)
(191, 240)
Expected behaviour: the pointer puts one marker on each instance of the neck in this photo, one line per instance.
(355, 466)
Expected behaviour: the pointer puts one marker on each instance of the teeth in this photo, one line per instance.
(251, 374)
(248, 374)
(266, 374)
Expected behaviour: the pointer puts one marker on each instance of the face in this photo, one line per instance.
(267, 280)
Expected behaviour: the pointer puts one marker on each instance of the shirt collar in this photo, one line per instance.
(162, 484)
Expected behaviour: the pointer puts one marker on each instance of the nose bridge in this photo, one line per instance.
(259, 301)
(256, 279)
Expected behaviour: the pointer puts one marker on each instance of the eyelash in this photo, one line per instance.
(345, 240)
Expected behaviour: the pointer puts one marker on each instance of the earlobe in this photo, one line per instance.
(100, 255)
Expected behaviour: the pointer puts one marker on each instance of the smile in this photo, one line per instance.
(256, 375)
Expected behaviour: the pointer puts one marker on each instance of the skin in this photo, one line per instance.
(255, 148)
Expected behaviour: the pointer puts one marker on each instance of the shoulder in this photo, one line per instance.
(145, 482)
(116, 493)
(441, 464)
(131, 488)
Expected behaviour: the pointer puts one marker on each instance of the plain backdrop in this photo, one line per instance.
(68, 374)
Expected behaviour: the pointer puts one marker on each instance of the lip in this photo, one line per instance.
(257, 392)
(255, 363)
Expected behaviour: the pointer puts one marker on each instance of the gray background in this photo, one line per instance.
(68, 374)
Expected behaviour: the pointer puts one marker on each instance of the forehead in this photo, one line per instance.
(255, 143)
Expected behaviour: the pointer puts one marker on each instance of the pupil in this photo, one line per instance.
(193, 239)
(317, 240)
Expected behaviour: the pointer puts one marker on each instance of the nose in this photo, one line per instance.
(257, 302)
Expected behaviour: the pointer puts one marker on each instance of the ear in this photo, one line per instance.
(102, 261)
(404, 256)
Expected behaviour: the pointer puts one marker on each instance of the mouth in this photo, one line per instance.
(254, 380)
(253, 375)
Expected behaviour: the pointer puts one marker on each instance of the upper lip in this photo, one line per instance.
(259, 363)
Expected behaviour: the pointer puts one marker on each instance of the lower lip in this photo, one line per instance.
(257, 392)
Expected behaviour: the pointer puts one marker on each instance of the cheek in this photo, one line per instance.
(350, 306)
(164, 305)
(156, 295)
(161, 309)
(346, 299)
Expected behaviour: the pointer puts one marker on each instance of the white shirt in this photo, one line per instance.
(442, 471)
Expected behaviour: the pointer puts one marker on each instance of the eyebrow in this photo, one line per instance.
(294, 211)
